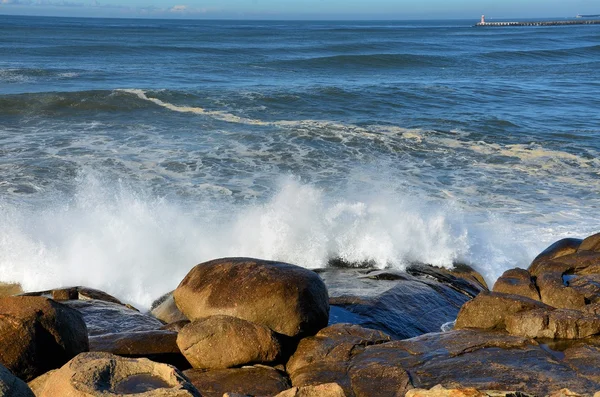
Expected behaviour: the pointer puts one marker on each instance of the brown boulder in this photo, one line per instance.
(104, 374)
(254, 381)
(490, 309)
(441, 391)
(560, 248)
(9, 289)
(38, 334)
(288, 299)
(517, 282)
(322, 390)
(591, 243)
(554, 292)
(224, 341)
(11, 386)
(553, 324)
(166, 310)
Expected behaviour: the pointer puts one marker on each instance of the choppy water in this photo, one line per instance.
(131, 150)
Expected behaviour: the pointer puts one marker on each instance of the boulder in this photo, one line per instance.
(553, 324)
(560, 248)
(441, 391)
(11, 386)
(156, 345)
(224, 341)
(517, 282)
(322, 390)
(412, 305)
(75, 293)
(38, 334)
(104, 374)
(288, 299)
(9, 289)
(489, 310)
(554, 292)
(103, 317)
(254, 381)
(165, 309)
(591, 243)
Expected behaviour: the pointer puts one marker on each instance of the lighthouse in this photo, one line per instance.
(482, 20)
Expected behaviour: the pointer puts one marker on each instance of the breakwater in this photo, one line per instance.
(540, 23)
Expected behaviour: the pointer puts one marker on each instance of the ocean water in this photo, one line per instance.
(130, 150)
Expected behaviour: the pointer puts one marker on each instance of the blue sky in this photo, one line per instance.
(303, 9)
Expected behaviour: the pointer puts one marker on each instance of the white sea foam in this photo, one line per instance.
(137, 246)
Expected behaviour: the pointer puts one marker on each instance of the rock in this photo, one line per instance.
(288, 299)
(322, 390)
(9, 289)
(591, 243)
(76, 293)
(166, 310)
(254, 381)
(102, 374)
(336, 343)
(517, 282)
(224, 341)
(38, 334)
(11, 386)
(461, 277)
(585, 359)
(441, 391)
(553, 324)
(37, 385)
(176, 326)
(490, 309)
(103, 317)
(553, 291)
(411, 307)
(156, 345)
(560, 248)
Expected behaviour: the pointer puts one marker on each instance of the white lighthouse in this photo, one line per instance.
(482, 20)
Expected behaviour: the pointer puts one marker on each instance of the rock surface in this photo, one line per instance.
(224, 341)
(103, 317)
(517, 282)
(489, 310)
(288, 299)
(104, 374)
(254, 381)
(11, 386)
(38, 334)
(156, 345)
(413, 304)
(553, 324)
(166, 310)
(322, 390)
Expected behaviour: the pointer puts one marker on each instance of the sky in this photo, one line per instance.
(303, 9)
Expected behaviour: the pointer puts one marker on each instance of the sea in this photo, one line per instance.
(133, 149)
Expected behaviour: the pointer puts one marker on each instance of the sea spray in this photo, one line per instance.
(114, 237)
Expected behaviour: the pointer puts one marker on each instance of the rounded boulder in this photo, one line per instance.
(38, 334)
(104, 374)
(223, 342)
(288, 299)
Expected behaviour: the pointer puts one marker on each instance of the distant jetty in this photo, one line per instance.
(580, 21)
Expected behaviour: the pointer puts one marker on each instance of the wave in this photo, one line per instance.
(138, 246)
(560, 54)
(370, 61)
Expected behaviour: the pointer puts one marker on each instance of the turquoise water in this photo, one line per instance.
(132, 149)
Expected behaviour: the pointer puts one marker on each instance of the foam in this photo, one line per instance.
(138, 246)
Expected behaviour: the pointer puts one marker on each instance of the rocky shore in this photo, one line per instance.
(249, 327)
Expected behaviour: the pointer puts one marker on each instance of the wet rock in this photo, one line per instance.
(9, 289)
(11, 386)
(225, 341)
(489, 310)
(412, 307)
(103, 317)
(254, 381)
(102, 374)
(553, 324)
(38, 334)
(554, 292)
(517, 282)
(166, 310)
(76, 293)
(156, 345)
(460, 277)
(591, 243)
(560, 248)
(322, 390)
(176, 326)
(288, 299)
(441, 391)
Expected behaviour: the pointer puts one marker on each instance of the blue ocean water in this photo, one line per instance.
(131, 150)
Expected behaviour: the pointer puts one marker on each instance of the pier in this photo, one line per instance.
(580, 21)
